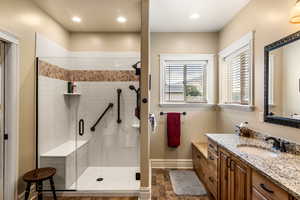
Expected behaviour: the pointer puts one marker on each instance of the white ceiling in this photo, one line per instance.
(96, 15)
(165, 15)
(174, 15)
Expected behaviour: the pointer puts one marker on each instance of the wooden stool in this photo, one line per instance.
(38, 176)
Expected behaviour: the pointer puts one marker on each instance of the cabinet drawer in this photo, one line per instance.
(212, 146)
(212, 159)
(199, 162)
(267, 188)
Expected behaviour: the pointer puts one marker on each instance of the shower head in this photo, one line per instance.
(137, 70)
(135, 66)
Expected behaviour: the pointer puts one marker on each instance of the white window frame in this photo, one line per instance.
(211, 71)
(247, 39)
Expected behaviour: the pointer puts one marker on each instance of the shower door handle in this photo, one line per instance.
(81, 127)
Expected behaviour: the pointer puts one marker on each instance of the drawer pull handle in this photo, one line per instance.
(263, 186)
(211, 158)
(211, 179)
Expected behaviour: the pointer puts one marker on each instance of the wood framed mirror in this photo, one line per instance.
(282, 82)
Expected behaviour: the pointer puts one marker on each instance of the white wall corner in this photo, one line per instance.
(145, 193)
(172, 163)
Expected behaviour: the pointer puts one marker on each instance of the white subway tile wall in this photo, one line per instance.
(53, 114)
(111, 144)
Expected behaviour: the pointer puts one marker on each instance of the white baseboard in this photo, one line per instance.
(172, 163)
(32, 195)
(145, 193)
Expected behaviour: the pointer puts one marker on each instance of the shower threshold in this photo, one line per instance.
(113, 179)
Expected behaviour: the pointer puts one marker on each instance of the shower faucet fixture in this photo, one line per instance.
(137, 70)
(132, 87)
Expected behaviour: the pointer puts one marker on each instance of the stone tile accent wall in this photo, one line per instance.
(53, 71)
(103, 75)
(56, 72)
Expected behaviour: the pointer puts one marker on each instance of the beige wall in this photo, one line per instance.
(269, 18)
(198, 120)
(105, 42)
(23, 18)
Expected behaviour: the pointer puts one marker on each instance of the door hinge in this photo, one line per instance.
(138, 176)
(150, 82)
(5, 136)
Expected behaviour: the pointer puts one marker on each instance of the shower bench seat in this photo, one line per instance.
(63, 158)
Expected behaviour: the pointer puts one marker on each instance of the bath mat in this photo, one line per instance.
(186, 182)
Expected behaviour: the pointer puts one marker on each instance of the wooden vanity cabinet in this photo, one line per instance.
(235, 178)
(226, 177)
(224, 160)
(257, 195)
(206, 168)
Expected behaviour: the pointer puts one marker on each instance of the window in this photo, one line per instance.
(184, 78)
(236, 73)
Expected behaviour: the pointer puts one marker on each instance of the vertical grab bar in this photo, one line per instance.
(119, 91)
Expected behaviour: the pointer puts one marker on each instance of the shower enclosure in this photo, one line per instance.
(87, 126)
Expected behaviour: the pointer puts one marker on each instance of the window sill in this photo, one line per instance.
(187, 105)
(237, 107)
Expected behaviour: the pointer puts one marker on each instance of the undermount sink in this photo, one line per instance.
(257, 151)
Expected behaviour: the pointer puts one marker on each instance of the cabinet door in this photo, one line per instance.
(223, 171)
(239, 181)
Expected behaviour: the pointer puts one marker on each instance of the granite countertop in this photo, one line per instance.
(283, 170)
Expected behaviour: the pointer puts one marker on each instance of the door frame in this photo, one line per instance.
(12, 87)
(145, 163)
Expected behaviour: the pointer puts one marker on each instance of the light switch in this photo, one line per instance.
(261, 117)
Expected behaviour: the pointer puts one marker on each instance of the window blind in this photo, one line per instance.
(185, 81)
(174, 82)
(238, 77)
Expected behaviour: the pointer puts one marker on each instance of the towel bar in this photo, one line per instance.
(162, 113)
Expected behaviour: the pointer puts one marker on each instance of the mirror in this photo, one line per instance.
(282, 81)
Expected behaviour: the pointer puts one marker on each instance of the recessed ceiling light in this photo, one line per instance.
(76, 19)
(121, 19)
(194, 16)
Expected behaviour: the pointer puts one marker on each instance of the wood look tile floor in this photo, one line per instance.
(92, 198)
(162, 187)
(161, 190)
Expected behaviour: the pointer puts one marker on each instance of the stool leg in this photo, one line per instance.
(27, 191)
(40, 190)
(53, 188)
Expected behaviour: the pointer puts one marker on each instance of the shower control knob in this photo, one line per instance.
(145, 100)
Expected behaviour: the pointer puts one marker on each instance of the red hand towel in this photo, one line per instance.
(173, 129)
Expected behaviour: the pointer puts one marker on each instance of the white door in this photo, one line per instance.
(2, 134)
